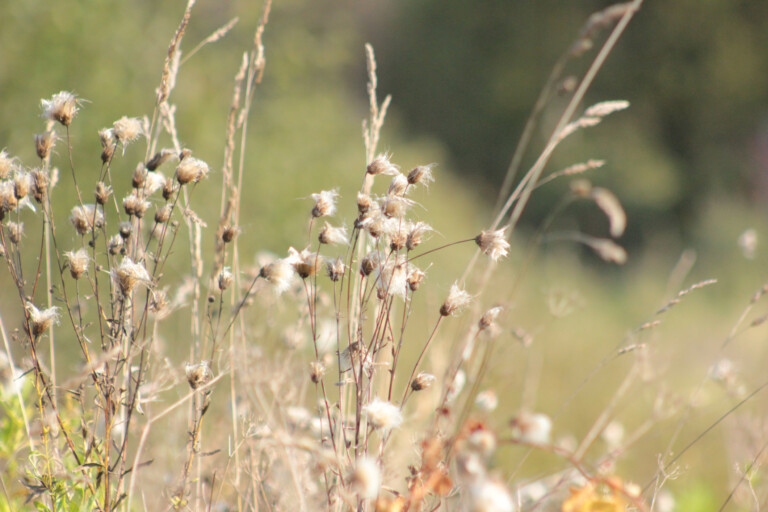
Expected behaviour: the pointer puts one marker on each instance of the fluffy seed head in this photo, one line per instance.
(40, 181)
(168, 189)
(77, 261)
(125, 230)
(422, 381)
(415, 278)
(191, 170)
(15, 231)
(62, 107)
(128, 274)
(133, 205)
(102, 193)
(108, 141)
(22, 182)
(41, 321)
(333, 235)
(493, 243)
(383, 415)
(392, 278)
(316, 371)
(416, 235)
(229, 233)
(86, 218)
(7, 164)
(127, 129)
(163, 214)
(487, 400)
(335, 269)
(488, 495)
(398, 186)
(154, 182)
(395, 206)
(370, 263)
(382, 165)
(198, 374)
(279, 274)
(225, 279)
(325, 203)
(532, 428)
(487, 320)
(363, 202)
(365, 479)
(44, 143)
(115, 244)
(305, 262)
(421, 174)
(8, 201)
(457, 300)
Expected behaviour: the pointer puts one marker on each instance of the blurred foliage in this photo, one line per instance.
(694, 72)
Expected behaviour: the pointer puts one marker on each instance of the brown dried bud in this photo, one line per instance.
(229, 234)
(369, 263)
(335, 269)
(363, 202)
(21, 184)
(225, 279)
(40, 182)
(191, 170)
(457, 300)
(382, 165)
(102, 193)
(125, 230)
(41, 321)
(44, 142)
(415, 278)
(421, 174)
(168, 189)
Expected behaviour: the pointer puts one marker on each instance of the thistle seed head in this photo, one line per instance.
(41, 321)
(191, 170)
(382, 165)
(421, 174)
(127, 129)
(325, 203)
(77, 261)
(457, 300)
(129, 274)
(493, 243)
(86, 218)
(333, 235)
(335, 269)
(422, 381)
(198, 374)
(102, 193)
(62, 107)
(44, 143)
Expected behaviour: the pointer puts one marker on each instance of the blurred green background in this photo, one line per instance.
(689, 159)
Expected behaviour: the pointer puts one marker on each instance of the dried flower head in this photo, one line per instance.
(325, 203)
(532, 428)
(22, 182)
(102, 193)
(398, 186)
(62, 107)
(225, 279)
(44, 143)
(7, 164)
(416, 234)
(487, 321)
(421, 174)
(108, 143)
(422, 381)
(457, 300)
(134, 205)
(383, 415)
(169, 187)
(198, 374)
(316, 371)
(363, 202)
(40, 181)
(392, 277)
(488, 495)
(279, 274)
(41, 321)
(127, 129)
(229, 233)
(493, 243)
(139, 176)
(163, 214)
(395, 206)
(415, 278)
(365, 479)
(128, 274)
(77, 261)
(397, 231)
(8, 201)
(115, 244)
(335, 268)
(125, 229)
(333, 235)
(487, 400)
(154, 181)
(305, 263)
(191, 170)
(369, 263)
(382, 165)
(15, 231)
(160, 158)
(85, 218)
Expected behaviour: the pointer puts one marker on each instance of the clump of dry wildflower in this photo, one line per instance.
(333, 235)
(44, 143)
(422, 381)
(41, 321)
(62, 107)
(198, 374)
(382, 165)
(279, 274)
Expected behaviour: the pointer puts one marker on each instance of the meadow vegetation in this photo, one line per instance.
(180, 334)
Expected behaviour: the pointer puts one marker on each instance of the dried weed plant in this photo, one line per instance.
(361, 424)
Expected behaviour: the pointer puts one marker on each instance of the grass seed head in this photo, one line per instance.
(62, 107)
